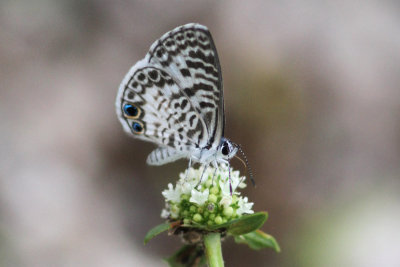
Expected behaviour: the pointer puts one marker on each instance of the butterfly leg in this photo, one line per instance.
(201, 177)
(187, 170)
(215, 163)
(230, 180)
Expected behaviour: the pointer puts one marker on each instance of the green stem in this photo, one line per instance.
(212, 242)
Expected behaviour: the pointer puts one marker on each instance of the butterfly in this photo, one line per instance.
(173, 97)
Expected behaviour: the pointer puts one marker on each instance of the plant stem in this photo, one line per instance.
(212, 242)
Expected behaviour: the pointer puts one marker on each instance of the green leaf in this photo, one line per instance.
(156, 231)
(248, 223)
(187, 256)
(258, 240)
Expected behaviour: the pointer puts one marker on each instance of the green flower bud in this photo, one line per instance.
(212, 198)
(210, 203)
(218, 220)
(214, 190)
(228, 211)
(234, 199)
(197, 217)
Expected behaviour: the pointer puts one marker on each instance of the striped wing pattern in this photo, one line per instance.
(174, 95)
(189, 52)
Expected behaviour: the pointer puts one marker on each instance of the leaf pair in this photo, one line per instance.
(245, 231)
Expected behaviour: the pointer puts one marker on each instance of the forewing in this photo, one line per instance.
(189, 55)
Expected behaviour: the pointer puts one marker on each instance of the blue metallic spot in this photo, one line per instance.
(131, 110)
(137, 127)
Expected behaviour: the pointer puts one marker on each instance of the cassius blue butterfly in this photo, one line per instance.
(174, 98)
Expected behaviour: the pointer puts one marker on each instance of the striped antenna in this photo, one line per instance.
(248, 168)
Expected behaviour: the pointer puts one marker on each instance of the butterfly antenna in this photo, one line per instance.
(246, 164)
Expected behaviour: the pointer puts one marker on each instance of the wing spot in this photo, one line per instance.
(206, 105)
(189, 92)
(153, 75)
(191, 120)
(184, 103)
(169, 43)
(137, 127)
(185, 72)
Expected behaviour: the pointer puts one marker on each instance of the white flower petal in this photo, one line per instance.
(226, 201)
(199, 197)
(172, 194)
(164, 214)
(174, 211)
(244, 206)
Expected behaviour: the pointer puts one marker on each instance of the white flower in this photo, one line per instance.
(172, 194)
(174, 210)
(244, 206)
(199, 197)
(216, 184)
(184, 187)
(226, 188)
(242, 184)
(164, 214)
(226, 201)
(189, 174)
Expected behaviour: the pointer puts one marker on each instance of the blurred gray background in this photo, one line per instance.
(311, 92)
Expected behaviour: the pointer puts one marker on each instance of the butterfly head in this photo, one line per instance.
(227, 149)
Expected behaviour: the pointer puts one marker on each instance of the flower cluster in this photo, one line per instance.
(212, 201)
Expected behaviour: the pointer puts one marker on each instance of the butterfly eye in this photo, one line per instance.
(131, 111)
(137, 127)
(225, 149)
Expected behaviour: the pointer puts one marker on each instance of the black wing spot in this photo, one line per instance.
(203, 86)
(134, 84)
(206, 105)
(153, 74)
(191, 120)
(185, 72)
(184, 103)
(169, 43)
(189, 92)
(170, 82)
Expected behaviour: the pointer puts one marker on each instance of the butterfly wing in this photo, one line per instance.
(163, 155)
(189, 54)
(173, 97)
(151, 106)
